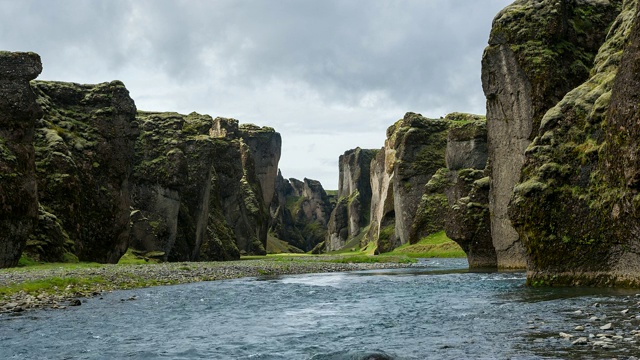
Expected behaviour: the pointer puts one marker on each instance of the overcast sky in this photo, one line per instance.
(329, 75)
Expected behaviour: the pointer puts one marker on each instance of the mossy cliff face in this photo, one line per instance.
(240, 190)
(175, 191)
(265, 145)
(18, 186)
(538, 51)
(311, 209)
(413, 152)
(282, 223)
(352, 212)
(84, 154)
(576, 206)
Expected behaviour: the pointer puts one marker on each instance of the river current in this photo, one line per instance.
(439, 311)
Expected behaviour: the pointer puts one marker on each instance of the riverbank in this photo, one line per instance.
(60, 286)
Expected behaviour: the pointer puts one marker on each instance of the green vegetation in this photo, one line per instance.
(51, 285)
(436, 245)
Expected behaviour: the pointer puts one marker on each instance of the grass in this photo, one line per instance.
(50, 285)
(436, 245)
(277, 246)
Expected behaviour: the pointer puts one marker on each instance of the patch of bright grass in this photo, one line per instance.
(436, 245)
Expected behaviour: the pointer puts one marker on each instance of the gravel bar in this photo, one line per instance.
(119, 277)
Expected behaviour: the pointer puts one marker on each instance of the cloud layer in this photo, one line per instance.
(329, 75)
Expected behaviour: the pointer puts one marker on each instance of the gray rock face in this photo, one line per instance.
(352, 212)
(509, 123)
(84, 155)
(382, 204)
(18, 186)
(467, 146)
(265, 145)
(467, 220)
(525, 71)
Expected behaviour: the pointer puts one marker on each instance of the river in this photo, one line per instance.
(439, 311)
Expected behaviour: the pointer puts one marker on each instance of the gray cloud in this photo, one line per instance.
(342, 69)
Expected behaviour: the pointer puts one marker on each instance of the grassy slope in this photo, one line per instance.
(436, 245)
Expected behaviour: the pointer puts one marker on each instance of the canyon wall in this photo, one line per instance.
(353, 208)
(18, 187)
(576, 205)
(538, 51)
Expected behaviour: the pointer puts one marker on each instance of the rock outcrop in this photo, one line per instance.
(353, 208)
(18, 186)
(466, 186)
(301, 213)
(576, 206)
(538, 51)
(265, 145)
(175, 190)
(413, 152)
(84, 154)
(282, 223)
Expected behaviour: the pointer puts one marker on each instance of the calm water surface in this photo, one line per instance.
(441, 311)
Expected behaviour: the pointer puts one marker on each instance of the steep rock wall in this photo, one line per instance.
(414, 150)
(282, 223)
(352, 211)
(84, 154)
(175, 191)
(18, 186)
(466, 187)
(576, 206)
(265, 145)
(538, 51)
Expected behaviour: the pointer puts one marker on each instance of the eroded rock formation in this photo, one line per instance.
(466, 186)
(538, 51)
(175, 191)
(18, 186)
(84, 155)
(576, 206)
(413, 152)
(353, 208)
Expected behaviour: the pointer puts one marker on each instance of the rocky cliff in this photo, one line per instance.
(538, 51)
(282, 224)
(353, 209)
(466, 187)
(265, 145)
(18, 186)
(576, 206)
(84, 154)
(413, 152)
(175, 190)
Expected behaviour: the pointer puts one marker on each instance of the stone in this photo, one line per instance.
(606, 326)
(580, 341)
(18, 114)
(565, 335)
(579, 328)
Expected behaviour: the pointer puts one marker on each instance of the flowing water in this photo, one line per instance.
(440, 311)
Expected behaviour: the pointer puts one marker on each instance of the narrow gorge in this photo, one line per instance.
(547, 181)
